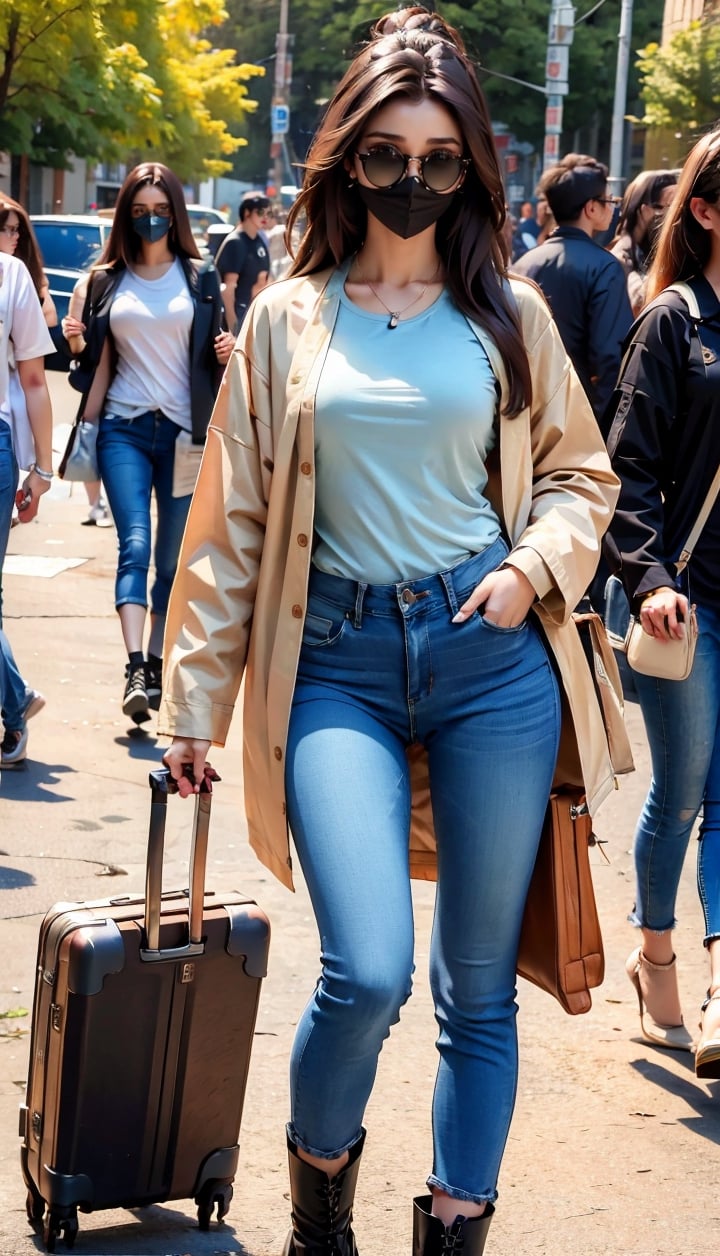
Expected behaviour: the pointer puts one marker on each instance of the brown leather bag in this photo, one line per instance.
(561, 947)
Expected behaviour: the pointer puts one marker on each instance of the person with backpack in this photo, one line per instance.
(664, 443)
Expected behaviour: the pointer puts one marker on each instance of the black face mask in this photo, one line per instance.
(407, 208)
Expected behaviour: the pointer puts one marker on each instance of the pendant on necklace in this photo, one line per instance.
(394, 320)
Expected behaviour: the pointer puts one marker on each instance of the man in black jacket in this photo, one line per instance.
(584, 285)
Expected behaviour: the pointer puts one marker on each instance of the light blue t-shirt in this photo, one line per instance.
(404, 422)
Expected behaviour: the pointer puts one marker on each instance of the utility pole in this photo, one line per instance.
(280, 110)
(561, 28)
(617, 134)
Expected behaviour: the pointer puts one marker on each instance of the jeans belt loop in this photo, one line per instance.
(447, 579)
(359, 599)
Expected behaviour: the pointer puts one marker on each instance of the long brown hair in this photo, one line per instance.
(123, 243)
(413, 54)
(683, 248)
(27, 249)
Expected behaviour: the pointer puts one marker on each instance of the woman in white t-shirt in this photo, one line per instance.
(20, 701)
(24, 340)
(147, 326)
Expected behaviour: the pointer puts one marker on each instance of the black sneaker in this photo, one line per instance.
(153, 686)
(135, 699)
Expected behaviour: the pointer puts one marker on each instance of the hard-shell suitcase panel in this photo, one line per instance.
(142, 1027)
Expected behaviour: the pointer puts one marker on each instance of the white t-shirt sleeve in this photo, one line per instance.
(26, 321)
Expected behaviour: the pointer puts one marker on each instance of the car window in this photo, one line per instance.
(200, 219)
(71, 246)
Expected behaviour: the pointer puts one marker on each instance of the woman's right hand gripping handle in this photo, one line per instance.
(184, 753)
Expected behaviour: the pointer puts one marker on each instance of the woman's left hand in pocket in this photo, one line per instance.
(504, 597)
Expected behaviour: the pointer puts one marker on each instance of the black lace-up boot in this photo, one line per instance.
(466, 1236)
(322, 1207)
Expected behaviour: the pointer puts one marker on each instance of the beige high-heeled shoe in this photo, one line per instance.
(656, 985)
(707, 1051)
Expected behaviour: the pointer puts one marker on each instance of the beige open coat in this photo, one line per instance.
(238, 602)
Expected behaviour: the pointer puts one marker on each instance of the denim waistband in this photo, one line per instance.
(452, 586)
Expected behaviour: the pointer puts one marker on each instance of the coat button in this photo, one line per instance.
(306, 468)
(302, 539)
(297, 611)
(277, 752)
(295, 379)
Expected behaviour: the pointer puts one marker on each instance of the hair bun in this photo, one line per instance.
(415, 20)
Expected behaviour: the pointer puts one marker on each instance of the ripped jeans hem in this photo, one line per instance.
(637, 923)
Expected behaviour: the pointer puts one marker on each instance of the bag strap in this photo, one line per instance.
(689, 546)
(689, 296)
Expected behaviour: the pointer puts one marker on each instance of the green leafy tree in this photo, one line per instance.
(102, 80)
(681, 82)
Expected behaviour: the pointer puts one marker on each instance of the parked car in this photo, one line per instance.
(69, 244)
(201, 218)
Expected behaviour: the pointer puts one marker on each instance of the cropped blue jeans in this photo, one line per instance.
(136, 457)
(682, 721)
(383, 668)
(13, 690)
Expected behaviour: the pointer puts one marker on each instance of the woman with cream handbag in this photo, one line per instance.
(665, 445)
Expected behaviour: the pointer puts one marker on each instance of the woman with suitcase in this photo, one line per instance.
(401, 466)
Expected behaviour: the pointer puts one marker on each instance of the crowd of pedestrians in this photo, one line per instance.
(405, 482)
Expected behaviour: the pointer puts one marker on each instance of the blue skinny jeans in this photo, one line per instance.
(382, 668)
(13, 690)
(682, 721)
(136, 456)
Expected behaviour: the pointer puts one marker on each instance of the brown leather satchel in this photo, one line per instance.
(561, 947)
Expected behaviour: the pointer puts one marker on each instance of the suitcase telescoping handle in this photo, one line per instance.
(162, 784)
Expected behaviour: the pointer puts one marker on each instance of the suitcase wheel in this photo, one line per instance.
(55, 1225)
(213, 1193)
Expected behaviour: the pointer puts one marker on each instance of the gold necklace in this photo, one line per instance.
(396, 314)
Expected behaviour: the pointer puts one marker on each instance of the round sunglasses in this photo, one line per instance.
(385, 166)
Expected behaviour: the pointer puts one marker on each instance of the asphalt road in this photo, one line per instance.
(614, 1147)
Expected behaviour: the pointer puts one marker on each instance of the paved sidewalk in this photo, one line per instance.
(614, 1147)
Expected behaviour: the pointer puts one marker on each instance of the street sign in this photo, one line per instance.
(551, 151)
(562, 25)
(557, 64)
(553, 119)
(280, 119)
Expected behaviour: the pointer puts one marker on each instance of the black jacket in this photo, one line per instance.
(586, 289)
(205, 373)
(664, 442)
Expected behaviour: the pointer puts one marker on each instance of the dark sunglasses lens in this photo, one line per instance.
(441, 170)
(384, 166)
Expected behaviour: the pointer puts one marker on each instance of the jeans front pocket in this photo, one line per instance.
(324, 624)
(511, 631)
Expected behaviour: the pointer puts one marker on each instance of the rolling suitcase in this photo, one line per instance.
(143, 1020)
